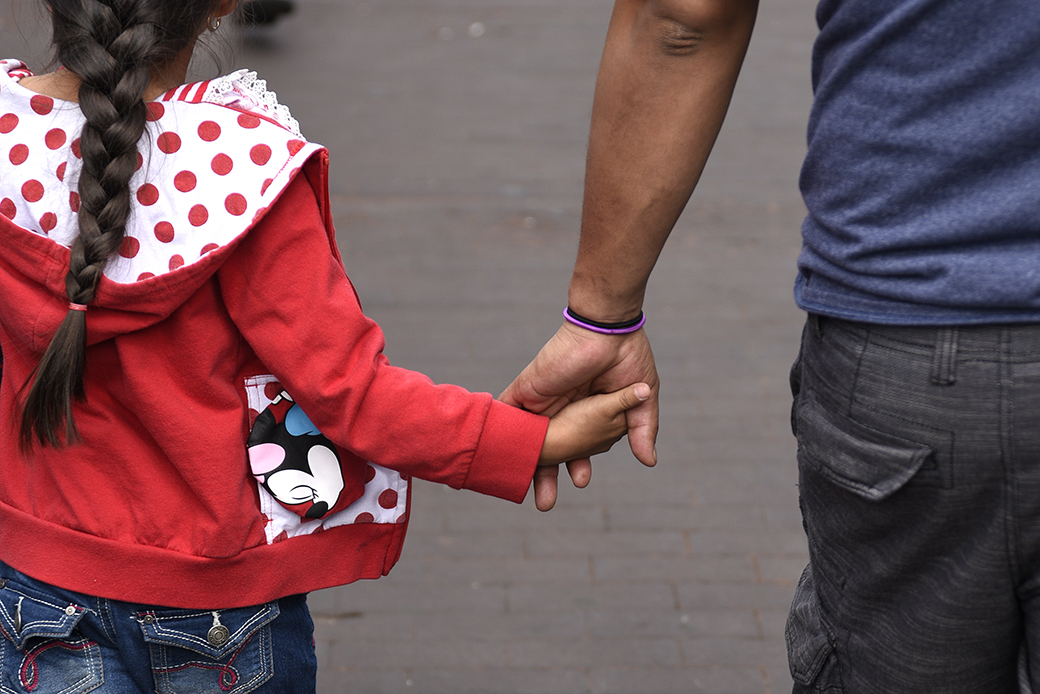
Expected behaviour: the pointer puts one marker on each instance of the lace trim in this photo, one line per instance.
(243, 85)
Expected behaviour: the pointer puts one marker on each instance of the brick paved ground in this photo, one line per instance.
(457, 131)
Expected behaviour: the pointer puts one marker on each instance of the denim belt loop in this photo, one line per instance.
(944, 360)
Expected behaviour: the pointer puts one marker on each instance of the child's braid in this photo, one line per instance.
(114, 67)
(113, 46)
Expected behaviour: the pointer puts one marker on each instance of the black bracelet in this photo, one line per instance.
(620, 328)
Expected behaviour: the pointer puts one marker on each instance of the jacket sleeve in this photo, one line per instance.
(286, 291)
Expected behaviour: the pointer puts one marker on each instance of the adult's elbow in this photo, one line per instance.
(684, 27)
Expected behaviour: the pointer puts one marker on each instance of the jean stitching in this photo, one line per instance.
(861, 349)
(249, 624)
(104, 616)
(36, 598)
(261, 676)
(29, 673)
(165, 666)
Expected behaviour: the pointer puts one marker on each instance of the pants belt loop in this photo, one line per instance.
(944, 360)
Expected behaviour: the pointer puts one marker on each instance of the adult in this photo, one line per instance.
(917, 391)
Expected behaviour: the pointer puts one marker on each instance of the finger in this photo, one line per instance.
(580, 471)
(520, 394)
(545, 486)
(632, 396)
(642, 423)
(510, 395)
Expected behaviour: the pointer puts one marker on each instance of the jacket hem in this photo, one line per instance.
(105, 568)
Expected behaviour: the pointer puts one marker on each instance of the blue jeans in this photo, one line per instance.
(56, 641)
(919, 482)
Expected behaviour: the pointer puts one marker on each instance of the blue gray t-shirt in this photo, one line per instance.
(922, 177)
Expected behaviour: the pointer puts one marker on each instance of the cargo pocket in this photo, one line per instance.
(41, 652)
(868, 462)
(222, 651)
(810, 648)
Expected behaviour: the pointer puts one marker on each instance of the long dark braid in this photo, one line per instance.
(114, 47)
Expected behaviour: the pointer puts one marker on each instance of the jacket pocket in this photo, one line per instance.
(868, 462)
(298, 465)
(41, 651)
(218, 652)
(287, 492)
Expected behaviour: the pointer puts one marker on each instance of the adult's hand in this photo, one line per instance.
(576, 363)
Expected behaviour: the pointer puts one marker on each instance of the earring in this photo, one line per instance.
(214, 23)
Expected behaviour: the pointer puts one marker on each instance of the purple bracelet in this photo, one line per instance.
(622, 328)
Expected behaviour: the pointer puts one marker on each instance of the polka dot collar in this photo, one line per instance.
(215, 155)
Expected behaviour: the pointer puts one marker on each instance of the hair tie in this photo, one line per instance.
(620, 328)
(77, 307)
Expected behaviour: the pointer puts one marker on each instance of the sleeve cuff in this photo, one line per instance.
(507, 455)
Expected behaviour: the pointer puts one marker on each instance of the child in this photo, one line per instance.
(199, 426)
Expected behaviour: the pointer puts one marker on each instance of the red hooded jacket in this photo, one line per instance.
(229, 294)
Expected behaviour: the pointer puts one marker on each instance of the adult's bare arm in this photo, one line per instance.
(664, 84)
(665, 81)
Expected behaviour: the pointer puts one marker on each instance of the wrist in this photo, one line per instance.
(549, 454)
(605, 305)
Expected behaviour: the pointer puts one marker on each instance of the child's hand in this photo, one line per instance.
(590, 425)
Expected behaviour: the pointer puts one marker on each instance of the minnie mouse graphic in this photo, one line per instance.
(296, 463)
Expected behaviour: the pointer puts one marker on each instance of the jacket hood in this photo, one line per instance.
(214, 157)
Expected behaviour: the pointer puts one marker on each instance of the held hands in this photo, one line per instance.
(591, 425)
(574, 364)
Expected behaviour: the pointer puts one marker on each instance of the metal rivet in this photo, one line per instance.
(218, 635)
(149, 619)
(70, 610)
(3, 583)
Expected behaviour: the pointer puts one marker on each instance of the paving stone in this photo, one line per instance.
(459, 652)
(716, 650)
(335, 680)
(509, 571)
(561, 625)
(499, 681)
(783, 570)
(629, 651)
(606, 543)
(386, 595)
(383, 627)
(709, 568)
(758, 596)
(714, 680)
(626, 516)
(560, 597)
(623, 621)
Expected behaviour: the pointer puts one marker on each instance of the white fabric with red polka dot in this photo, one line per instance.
(215, 155)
